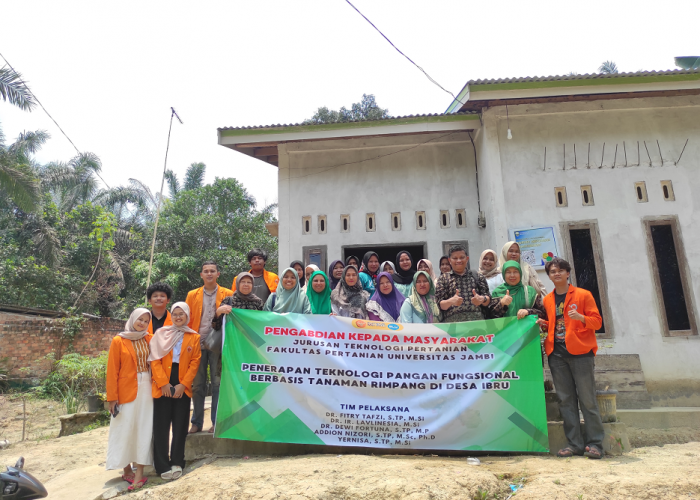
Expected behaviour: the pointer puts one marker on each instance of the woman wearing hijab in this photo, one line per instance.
(489, 269)
(421, 306)
(445, 266)
(368, 271)
(511, 251)
(349, 299)
(388, 267)
(308, 271)
(385, 304)
(353, 261)
(130, 400)
(524, 300)
(318, 291)
(242, 298)
(335, 272)
(298, 266)
(175, 356)
(427, 266)
(404, 273)
(288, 298)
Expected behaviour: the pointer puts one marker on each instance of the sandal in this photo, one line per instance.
(566, 452)
(128, 479)
(167, 475)
(211, 430)
(194, 429)
(176, 471)
(138, 484)
(593, 452)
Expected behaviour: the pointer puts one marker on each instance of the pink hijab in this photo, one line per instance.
(167, 337)
(430, 269)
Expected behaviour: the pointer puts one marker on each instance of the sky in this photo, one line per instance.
(108, 72)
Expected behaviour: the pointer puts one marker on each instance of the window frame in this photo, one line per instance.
(670, 220)
(601, 276)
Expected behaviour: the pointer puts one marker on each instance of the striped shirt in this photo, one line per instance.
(142, 351)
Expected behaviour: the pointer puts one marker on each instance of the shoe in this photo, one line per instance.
(176, 472)
(168, 476)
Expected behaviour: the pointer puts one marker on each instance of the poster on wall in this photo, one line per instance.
(538, 245)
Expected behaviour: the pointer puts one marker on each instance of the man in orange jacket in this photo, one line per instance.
(572, 319)
(204, 302)
(264, 282)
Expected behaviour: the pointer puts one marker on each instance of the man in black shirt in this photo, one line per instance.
(158, 295)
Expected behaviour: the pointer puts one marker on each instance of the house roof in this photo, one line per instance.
(474, 94)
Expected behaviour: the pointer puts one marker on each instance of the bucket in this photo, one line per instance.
(94, 403)
(607, 405)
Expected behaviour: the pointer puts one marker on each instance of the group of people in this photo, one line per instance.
(161, 361)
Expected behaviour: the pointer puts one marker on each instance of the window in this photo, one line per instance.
(671, 276)
(444, 219)
(640, 189)
(420, 220)
(396, 221)
(667, 189)
(345, 223)
(560, 197)
(585, 254)
(370, 224)
(306, 224)
(587, 196)
(322, 225)
(461, 216)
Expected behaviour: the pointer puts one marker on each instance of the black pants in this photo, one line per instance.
(167, 412)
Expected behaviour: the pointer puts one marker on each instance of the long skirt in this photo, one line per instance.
(131, 431)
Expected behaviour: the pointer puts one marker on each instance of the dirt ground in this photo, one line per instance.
(669, 471)
(42, 418)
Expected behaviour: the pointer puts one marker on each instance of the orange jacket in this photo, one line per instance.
(271, 279)
(580, 338)
(194, 300)
(190, 354)
(122, 384)
(168, 321)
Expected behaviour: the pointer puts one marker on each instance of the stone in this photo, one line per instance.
(75, 423)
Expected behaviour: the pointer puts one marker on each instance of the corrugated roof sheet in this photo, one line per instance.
(391, 118)
(591, 76)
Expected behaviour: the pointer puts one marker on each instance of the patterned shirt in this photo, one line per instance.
(141, 349)
(208, 313)
(450, 282)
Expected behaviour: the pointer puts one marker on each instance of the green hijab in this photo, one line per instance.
(425, 305)
(320, 302)
(523, 295)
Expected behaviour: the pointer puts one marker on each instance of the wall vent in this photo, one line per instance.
(444, 219)
(461, 217)
(587, 196)
(396, 221)
(322, 224)
(640, 191)
(370, 223)
(667, 191)
(345, 223)
(421, 223)
(306, 224)
(560, 198)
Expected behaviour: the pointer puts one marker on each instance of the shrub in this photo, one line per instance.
(73, 377)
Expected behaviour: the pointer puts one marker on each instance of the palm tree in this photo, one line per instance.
(18, 180)
(194, 179)
(14, 90)
(609, 68)
(74, 182)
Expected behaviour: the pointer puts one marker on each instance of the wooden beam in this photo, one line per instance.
(256, 145)
(265, 151)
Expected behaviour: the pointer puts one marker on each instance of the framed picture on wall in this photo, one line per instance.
(537, 244)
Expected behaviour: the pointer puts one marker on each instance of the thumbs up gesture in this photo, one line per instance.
(477, 299)
(457, 300)
(507, 299)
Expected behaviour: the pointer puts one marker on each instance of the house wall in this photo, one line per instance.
(669, 363)
(437, 175)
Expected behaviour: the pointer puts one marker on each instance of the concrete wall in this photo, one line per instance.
(437, 175)
(669, 364)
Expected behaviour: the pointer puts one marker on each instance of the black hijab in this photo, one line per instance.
(365, 266)
(302, 280)
(356, 260)
(404, 277)
(334, 281)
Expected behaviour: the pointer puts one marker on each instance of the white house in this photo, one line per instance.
(604, 167)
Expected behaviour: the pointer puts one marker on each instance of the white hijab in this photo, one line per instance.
(167, 337)
(129, 330)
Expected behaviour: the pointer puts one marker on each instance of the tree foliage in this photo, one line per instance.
(366, 109)
(608, 67)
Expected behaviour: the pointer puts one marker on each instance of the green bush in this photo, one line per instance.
(74, 377)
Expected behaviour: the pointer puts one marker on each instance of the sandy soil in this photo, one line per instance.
(42, 418)
(670, 471)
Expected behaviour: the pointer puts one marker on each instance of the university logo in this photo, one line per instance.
(376, 325)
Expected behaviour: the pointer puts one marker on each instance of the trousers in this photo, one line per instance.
(169, 412)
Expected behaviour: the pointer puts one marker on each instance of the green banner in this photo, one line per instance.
(313, 379)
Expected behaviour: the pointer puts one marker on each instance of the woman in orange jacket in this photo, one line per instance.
(175, 356)
(130, 400)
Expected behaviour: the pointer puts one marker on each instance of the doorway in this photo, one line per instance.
(387, 251)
